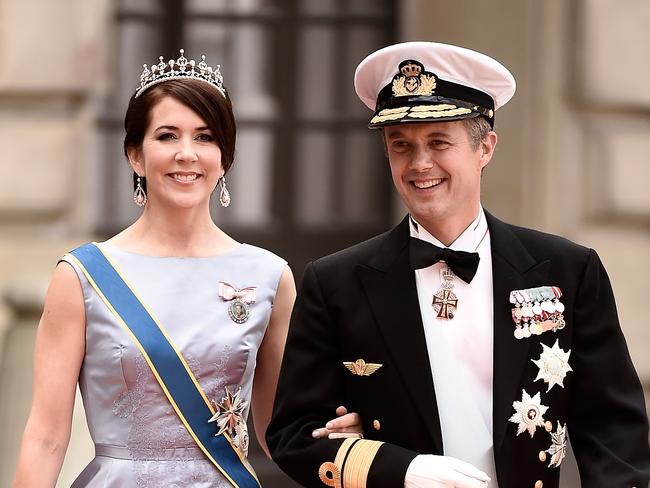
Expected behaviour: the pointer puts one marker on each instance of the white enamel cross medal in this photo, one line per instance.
(445, 302)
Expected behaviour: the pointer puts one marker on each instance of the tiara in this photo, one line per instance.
(180, 69)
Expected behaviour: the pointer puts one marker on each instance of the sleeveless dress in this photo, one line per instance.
(139, 439)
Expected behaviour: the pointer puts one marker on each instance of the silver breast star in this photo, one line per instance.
(558, 446)
(553, 365)
(229, 412)
(528, 413)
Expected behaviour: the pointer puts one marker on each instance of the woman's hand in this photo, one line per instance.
(345, 425)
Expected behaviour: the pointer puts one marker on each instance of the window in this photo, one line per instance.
(309, 177)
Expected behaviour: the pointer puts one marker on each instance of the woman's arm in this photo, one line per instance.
(269, 356)
(269, 359)
(59, 351)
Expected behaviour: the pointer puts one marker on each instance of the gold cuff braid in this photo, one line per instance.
(352, 464)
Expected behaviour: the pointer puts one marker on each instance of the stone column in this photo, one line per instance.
(25, 302)
(53, 58)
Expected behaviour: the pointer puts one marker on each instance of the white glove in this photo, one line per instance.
(429, 471)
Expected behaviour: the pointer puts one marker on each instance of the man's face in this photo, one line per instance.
(437, 171)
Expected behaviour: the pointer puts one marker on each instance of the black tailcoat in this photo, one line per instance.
(362, 303)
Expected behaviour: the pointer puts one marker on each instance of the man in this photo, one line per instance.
(471, 348)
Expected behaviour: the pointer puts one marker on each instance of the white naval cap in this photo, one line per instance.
(430, 81)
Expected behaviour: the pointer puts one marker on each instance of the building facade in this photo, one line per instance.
(309, 178)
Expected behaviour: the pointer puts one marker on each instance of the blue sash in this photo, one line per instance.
(166, 363)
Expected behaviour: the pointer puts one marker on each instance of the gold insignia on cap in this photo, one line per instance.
(361, 368)
(413, 80)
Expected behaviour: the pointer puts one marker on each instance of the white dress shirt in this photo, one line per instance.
(461, 349)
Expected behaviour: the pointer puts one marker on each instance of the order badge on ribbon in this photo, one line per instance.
(445, 301)
(240, 299)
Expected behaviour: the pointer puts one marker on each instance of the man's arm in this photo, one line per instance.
(608, 424)
(309, 390)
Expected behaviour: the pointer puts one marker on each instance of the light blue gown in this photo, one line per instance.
(139, 439)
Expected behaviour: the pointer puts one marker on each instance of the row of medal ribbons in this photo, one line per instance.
(537, 310)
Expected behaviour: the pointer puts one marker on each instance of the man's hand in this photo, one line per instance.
(429, 471)
(345, 425)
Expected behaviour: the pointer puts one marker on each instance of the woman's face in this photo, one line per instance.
(179, 157)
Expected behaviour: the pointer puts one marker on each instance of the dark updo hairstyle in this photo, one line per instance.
(214, 108)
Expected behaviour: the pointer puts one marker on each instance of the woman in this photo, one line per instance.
(171, 327)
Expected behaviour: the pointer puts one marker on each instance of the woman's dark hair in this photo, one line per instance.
(205, 100)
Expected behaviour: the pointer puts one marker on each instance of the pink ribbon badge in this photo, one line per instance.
(229, 292)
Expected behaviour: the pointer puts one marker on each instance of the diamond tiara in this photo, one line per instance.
(180, 69)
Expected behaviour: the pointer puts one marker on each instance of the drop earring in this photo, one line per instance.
(224, 194)
(139, 195)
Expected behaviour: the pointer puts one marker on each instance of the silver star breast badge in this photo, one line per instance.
(529, 413)
(553, 365)
(229, 417)
(558, 446)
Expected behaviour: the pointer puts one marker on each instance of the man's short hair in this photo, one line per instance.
(477, 129)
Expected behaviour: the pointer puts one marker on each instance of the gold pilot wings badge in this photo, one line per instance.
(361, 368)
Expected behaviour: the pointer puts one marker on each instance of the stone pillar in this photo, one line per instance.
(25, 302)
(52, 68)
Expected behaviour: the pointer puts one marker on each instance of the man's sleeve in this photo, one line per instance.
(309, 391)
(608, 424)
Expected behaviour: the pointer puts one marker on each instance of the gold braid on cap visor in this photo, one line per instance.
(439, 111)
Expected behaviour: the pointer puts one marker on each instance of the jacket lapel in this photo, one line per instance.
(513, 268)
(390, 287)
